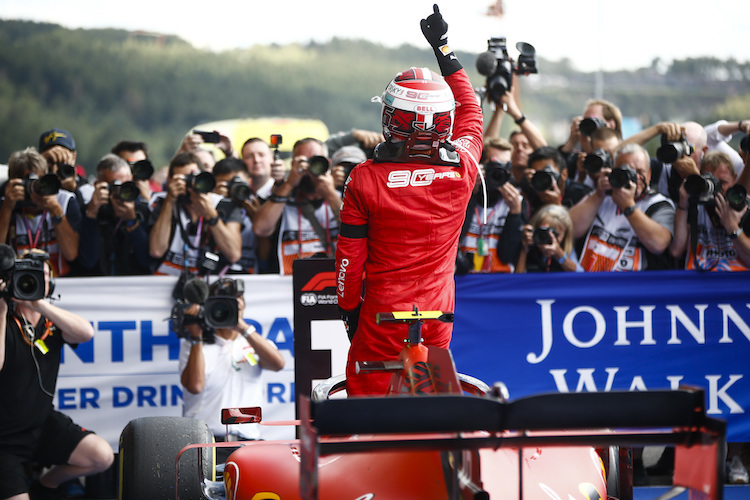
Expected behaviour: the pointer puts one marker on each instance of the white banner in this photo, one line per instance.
(130, 368)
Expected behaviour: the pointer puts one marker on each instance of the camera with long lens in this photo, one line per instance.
(589, 125)
(543, 235)
(123, 191)
(65, 171)
(622, 176)
(238, 190)
(597, 160)
(319, 165)
(670, 152)
(216, 312)
(702, 188)
(24, 277)
(545, 179)
(496, 174)
(142, 170)
(202, 182)
(46, 185)
(499, 68)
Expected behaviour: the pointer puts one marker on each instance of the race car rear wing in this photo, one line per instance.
(440, 422)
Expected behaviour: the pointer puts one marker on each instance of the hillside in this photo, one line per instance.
(108, 85)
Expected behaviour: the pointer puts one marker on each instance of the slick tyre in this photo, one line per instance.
(148, 448)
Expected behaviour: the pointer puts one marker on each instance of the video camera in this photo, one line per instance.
(670, 152)
(499, 68)
(496, 174)
(217, 311)
(25, 276)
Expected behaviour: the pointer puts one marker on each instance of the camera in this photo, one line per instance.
(622, 176)
(47, 185)
(210, 262)
(745, 144)
(736, 196)
(670, 152)
(202, 182)
(216, 312)
(319, 165)
(496, 174)
(499, 68)
(702, 188)
(597, 160)
(589, 125)
(238, 190)
(142, 170)
(276, 140)
(65, 171)
(25, 276)
(124, 191)
(543, 235)
(545, 179)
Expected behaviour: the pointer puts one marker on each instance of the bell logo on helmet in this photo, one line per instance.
(424, 109)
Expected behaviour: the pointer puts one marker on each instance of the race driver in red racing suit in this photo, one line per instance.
(403, 210)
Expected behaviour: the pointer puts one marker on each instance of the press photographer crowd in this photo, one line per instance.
(597, 202)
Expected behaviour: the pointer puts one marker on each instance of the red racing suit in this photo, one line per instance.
(400, 228)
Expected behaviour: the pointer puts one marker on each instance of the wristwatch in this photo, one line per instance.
(736, 234)
(56, 219)
(196, 340)
(629, 211)
(212, 221)
(520, 119)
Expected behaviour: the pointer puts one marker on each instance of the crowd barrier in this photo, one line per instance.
(535, 333)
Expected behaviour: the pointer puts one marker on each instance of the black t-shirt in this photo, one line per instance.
(27, 379)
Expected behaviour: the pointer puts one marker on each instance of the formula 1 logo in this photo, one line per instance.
(418, 178)
(314, 291)
(320, 282)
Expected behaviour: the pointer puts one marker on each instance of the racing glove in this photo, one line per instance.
(435, 30)
(351, 320)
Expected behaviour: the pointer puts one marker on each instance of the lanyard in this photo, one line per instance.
(299, 228)
(35, 240)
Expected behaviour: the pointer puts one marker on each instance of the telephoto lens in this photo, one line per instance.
(702, 186)
(66, 171)
(597, 160)
(142, 170)
(497, 174)
(124, 191)
(736, 196)
(203, 182)
(47, 185)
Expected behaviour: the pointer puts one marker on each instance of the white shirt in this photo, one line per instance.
(233, 379)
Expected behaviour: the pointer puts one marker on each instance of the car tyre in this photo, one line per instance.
(148, 449)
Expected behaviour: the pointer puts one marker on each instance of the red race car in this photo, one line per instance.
(436, 435)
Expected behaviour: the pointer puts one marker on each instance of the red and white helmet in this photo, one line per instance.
(417, 100)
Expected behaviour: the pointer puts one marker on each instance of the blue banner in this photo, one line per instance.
(572, 332)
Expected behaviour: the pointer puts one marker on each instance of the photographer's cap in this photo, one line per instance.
(348, 154)
(56, 137)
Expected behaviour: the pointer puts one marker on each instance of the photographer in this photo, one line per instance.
(32, 432)
(36, 213)
(194, 231)
(708, 224)
(305, 207)
(629, 229)
(232, 182)
(598, 113)
(492, 246)
(548, 243)
(223, 369)
(114, 236)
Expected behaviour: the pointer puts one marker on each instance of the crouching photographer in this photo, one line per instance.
(548, 243)
(32, 433)
(711, 224)
(222, 357)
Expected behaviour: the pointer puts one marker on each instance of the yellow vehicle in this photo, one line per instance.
(241, 129)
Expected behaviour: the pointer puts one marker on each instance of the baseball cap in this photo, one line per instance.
(56, 137)
(348, 154)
